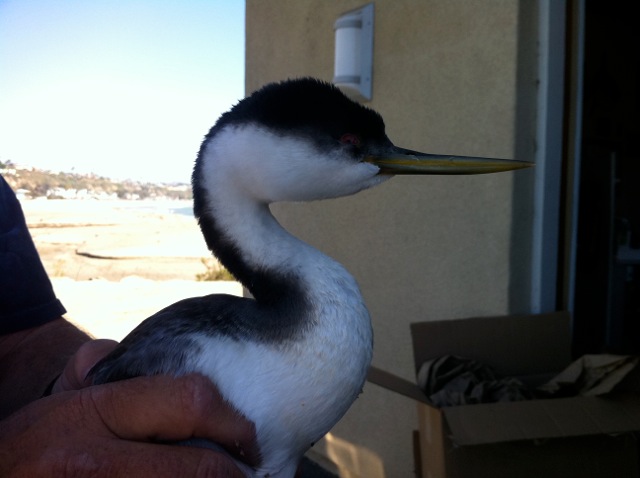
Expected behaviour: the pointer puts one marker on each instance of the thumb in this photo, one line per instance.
(79, 365)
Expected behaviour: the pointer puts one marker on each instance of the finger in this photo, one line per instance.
(87, 355)
(174, 408)
(171, 461)
(98, 458)
(143, 459)
(30, 444)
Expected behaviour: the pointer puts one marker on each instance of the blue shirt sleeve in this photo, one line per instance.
(26, 294)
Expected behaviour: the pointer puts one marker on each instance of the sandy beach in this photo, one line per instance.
(114, 263)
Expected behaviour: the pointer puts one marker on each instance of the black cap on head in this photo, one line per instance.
(308, 107)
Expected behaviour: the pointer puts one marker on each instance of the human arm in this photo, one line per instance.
(116, 429)
(35, 342)
(123, 429)
(30, 359)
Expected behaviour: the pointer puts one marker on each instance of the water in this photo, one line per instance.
(185, 211)
(181, 207)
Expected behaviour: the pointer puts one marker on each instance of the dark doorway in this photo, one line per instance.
(607, 286)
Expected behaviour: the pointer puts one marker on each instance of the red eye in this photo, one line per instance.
(350, 138)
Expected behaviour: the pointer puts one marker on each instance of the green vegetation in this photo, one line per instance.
(215, 271)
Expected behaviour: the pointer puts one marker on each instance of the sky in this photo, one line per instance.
(125, 89)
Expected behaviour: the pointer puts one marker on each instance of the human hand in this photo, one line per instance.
(123, 429)
(74, 375)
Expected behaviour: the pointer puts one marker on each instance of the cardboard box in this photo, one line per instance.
(565, 437)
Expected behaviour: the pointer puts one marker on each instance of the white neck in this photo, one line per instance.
(245, 168)
(321, 358)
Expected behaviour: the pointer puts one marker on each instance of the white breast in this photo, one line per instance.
(296, 391)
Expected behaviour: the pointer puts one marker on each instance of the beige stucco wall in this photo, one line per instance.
(450, 76)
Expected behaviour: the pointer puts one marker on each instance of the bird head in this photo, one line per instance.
(303, 139)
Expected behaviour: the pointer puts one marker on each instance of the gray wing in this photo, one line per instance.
(163, 343)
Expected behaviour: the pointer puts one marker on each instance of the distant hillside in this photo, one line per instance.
(31, 182)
